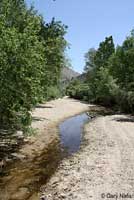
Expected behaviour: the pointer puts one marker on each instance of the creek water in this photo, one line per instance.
(71, 131)
(25, 178)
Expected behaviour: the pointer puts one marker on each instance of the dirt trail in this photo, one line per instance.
(37, 159)
(103, 169)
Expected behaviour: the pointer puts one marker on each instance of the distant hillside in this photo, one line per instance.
(68, 74)
(81, 77)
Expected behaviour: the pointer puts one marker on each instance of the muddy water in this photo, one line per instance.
(24, 179)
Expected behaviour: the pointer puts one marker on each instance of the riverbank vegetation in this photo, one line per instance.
(32, 55)
(109, 75)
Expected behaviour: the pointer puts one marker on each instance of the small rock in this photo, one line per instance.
(65, 187)
(21, 194)
(18, 156)
(62, 195)
(43, 197)
(55, 180)
(19, 133)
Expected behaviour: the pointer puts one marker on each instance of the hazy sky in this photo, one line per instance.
(89, 22)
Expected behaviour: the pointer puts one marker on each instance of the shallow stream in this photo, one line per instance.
(24, 179)
(71, 131)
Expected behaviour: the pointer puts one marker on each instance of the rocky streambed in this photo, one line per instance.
(40, 157)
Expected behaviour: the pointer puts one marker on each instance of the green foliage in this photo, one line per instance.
(54, 51)
(29, 131)
(98, 78)
(121, 67)
(106, 87)
(53, 92)
(78, 90)
(31, 59)
(90, 60)
(20, 66)
(122, 63)
(71, 88)
(110, 75)
(103, 53)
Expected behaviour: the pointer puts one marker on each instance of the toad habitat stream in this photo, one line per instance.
(70, 132)
(105, 163)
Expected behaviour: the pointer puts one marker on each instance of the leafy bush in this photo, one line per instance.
(125, 101)
(20, 66)
(110, 74)
(31, 59)
(78, 90)
(53, 92)
(106, 87)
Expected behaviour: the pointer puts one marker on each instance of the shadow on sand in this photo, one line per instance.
(39, 118)
(43, 106)
(124, 119)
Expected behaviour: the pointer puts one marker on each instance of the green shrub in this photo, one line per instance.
(125, 101)
(53, 92)
(78, 90)
(31, 60)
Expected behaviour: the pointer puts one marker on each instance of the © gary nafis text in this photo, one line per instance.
(117, 196)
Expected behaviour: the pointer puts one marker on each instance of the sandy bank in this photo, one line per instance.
(103, 169)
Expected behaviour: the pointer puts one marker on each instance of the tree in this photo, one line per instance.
(121, 66)
(105, 50)
(52, 35)
(90, 60)
(96, 61)
(111, 79)
(20, 64)
(122, 63)
(31, 59)
(106, 87)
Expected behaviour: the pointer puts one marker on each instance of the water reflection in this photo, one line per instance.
(71, 132)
